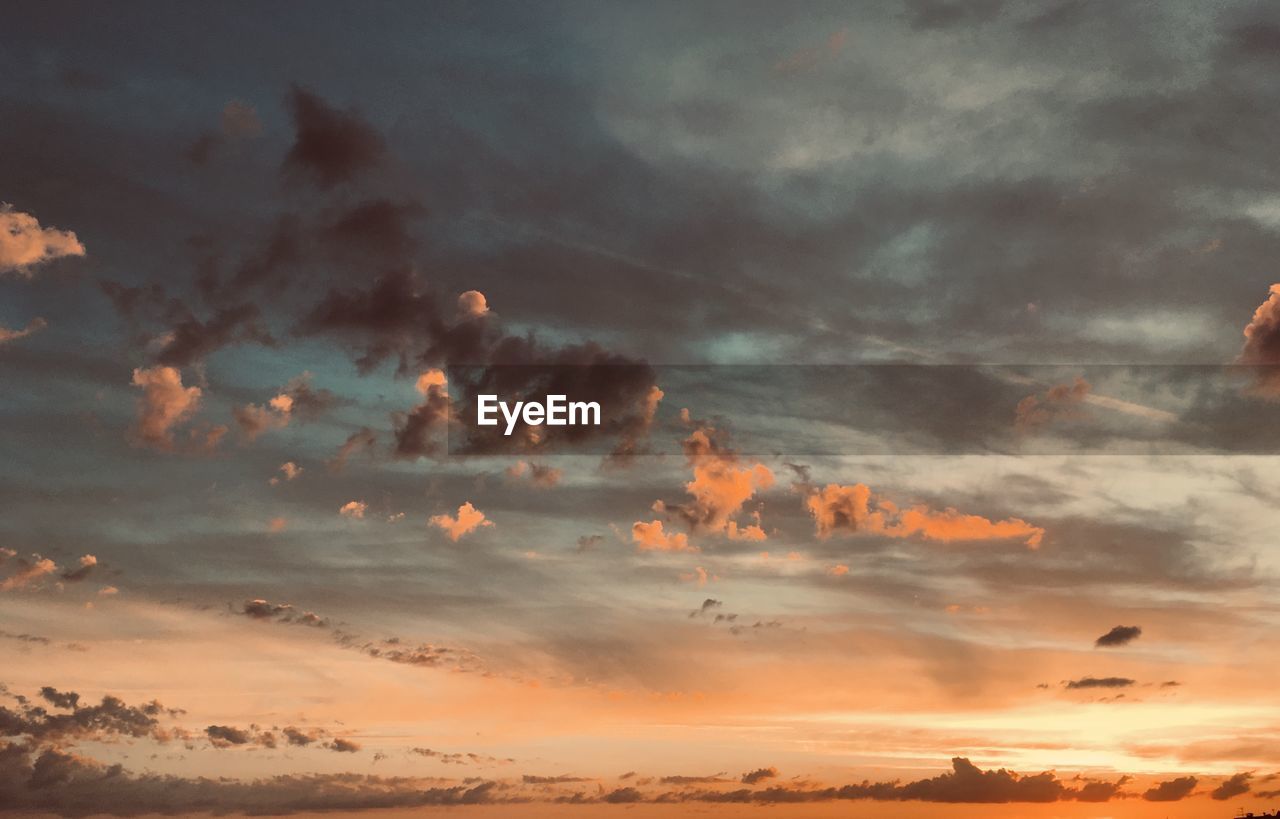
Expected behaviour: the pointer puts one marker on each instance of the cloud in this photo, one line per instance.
(1262, 333)
(964, 784)
(330, 146)
(1060, 401)
(223, 736)
(1119, 636)
(759, 775)
(51, 781)
(1100, 682)
(240, 120)
(415, 432)
(472, 304)
(354, 509)
(289, 470)
(707, 605)
(34, 326)
(468, 520)
(109, 718)
(254, 420)
(852, 508)
(164, 404)
(1262, 344)
(650, 537)
(1173, 790)
(720, 485)
(85, 566)
(259, 609)
(24, 244)
(297, 399)
(28, 572)
(362, 440)
(539, 475)
(343, 746)
(1232, 787)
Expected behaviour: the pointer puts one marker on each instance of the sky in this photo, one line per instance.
(935, 341)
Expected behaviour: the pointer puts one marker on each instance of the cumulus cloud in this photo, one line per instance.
(1262, 344)
(165, 403)
(650, 537)
(853, 508)
(466, 521)
(759, 775)
(1119, 636)
(297, 399)
(720, 485)
(472, 304)
(416, 431)
(1230, 788)
(34, 326)
(1174, 790)
(288, 472)
(354, 509)
(28, 572)
(82, 570)
(24, 244)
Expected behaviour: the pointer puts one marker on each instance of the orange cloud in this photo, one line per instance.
(472, 304)
(720, 485)
(468, 520)
(164, 404)
(24, 244)
(649, 537)
(354, 509)
(289, 469)
(429, 380)
(29, 571)
(254, 420)
(852, 508)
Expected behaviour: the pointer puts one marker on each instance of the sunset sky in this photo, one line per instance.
(940, 469)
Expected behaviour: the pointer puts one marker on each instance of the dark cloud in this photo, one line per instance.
(224, 735)
(531, 779)
(693, 780)
(1173, 790)
(965, 783)
(343, 746)
(362, 440)
(330, 146)
(52, 781)
(759, 775)
(1232, 787)
(1119, 636)
(282, 613)
(1100, 682)
(110, 717)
